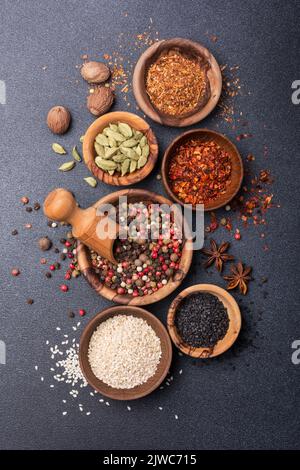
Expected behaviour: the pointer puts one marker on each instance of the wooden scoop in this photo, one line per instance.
(61, 205)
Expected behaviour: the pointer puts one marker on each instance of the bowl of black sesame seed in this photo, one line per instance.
(204, 321)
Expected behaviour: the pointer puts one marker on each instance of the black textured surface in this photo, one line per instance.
(249, 398)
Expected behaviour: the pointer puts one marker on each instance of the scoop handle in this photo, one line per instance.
(61, 205)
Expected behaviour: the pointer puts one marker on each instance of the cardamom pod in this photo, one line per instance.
(57, 148)
(105, 165)
(116, 135)
(67, 166)
(76, 155)
(119, 158)
(102, 140)
(125, 129)
(141, 161)
(110, 152)
(138, 150)
(146, 151)
(91, 181)
(138, 135)
(143, 141)
(112, 142)
(113, 127)
(130, 143)
(133, 166)
(81, 139)
(99, 149)
(111, 172)
(130, 153)
(125, 166)
(105, 131)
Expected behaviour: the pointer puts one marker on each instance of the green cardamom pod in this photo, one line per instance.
(110, 152)
(130, 153)
(138, 150)
(125, 129)
(111, 172)
(57, 148)
(125, 166)
(133, 166)
(76, 155)
(138, 135)
(91, 181)
(116, 135)
(142, 161)
(143, 141)
(81, 139)
(99, 149)
(105, 131)
(146, 151)
(67, 166)
(130, 143)
(112, 142)
(113, 127)
(119, 158)
(102, 140)
(105, 165)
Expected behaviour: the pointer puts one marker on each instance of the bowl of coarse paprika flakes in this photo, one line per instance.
(202, 167)
(177, 82)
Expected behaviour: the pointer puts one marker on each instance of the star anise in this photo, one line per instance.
(239, 278)
(217, 254)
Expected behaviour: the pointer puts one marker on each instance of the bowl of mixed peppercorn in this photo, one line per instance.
(177, 82)
(202, 166)
(149, 264)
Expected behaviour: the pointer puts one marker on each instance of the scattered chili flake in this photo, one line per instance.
(199, 171)
(177, 84)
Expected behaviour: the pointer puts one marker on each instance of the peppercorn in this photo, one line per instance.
(28, 209)
(62, 256)
(36, 206)
(14, 232)
(48, 275)
(82, 312)
(45, 243)
(15, 272)
(30, 301)
(24, 200)
(64, 288)
(71, 314)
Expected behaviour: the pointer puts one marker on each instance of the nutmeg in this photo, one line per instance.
(100, 101)
(58, 119)
(95, 72)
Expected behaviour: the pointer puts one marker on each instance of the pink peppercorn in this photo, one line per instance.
(237, 236)
(70, 255)
(135, 293)
(64, 288)
(72, 266)
(121, 290)
(67, 244)
(52, 267)
(67, 276)
(164, 267)
(82, 312)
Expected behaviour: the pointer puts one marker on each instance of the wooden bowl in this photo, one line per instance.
(190, 49)
(234, 321)
(140, 390)
(237, 172)
(89, 152)
(92, 277)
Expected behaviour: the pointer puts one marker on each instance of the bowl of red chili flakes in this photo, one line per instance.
(202, 166)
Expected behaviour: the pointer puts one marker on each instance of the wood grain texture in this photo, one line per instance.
(237, 172)
(234, 322)
(88, 271)
(191, 49)
(89, 152)
(140, 390)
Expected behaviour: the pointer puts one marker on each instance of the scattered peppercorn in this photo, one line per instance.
(14, 232)
(15, 272)
(30, 301)
(48, 275)
(36, 206)
(28, 209)
(45, 243)
(62, 256)
(82, 312)
(24, 200)
(71, 314)
(64, 288)
(43, 261)
(28, 226)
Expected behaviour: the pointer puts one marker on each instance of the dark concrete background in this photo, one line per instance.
(247, 399)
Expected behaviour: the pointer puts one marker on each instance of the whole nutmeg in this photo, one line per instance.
(58, 119)
(100, 101)
(95, 72)
(45, 243)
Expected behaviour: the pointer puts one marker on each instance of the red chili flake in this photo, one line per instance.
(199, 172)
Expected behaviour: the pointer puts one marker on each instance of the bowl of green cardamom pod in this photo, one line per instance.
(120, 148)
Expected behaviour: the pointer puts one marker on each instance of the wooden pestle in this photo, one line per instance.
(61, 205)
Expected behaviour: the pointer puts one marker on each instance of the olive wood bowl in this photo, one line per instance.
(237, 172)
(85, 264)
(89, 153)
(140, 390)
(190, 49)
(234, 315)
